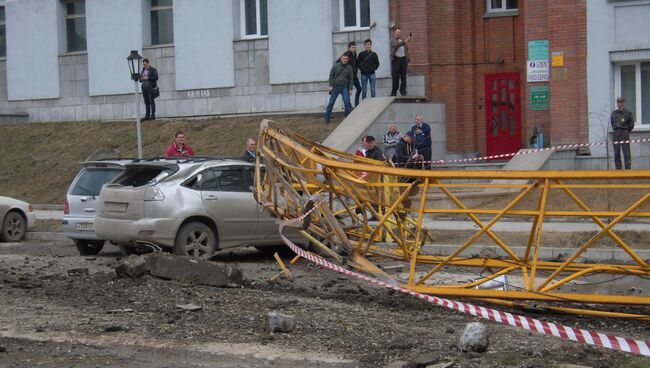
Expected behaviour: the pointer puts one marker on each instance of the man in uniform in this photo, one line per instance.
(622, 124)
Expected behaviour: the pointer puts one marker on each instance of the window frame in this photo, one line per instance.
(638, 114)
(503, 8)
(74, 16)
(258, 21)
(358, 26)
(153, 8)
(3, 22)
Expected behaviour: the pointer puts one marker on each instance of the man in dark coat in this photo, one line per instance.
(405, 154)
(372, 151)
(622, 124)
(149, 80)
(250, 154)
(422, 133)
(352, 60)
(368, 62)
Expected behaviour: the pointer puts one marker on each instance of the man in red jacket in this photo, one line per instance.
(178, 148)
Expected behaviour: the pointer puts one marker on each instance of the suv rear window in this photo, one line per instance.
(138, 176)
(90, 181)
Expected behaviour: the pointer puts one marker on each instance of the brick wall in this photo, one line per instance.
(455, 44)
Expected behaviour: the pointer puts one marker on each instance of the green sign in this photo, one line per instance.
(539, 97)
(538, 50)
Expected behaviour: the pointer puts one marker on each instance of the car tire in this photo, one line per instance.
(195, 236)
(89, 247)
(14, 226)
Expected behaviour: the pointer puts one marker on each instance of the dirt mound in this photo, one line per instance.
(40, 160)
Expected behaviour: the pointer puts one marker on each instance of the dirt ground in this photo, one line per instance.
(54, 314)
(48, 154)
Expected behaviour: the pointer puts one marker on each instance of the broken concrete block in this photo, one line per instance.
(425, 359)
(278, 322)
(201, 272)
(188, 307)
(133, 266)
(475, 338)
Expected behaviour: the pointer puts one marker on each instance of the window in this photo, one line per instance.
(231, 179)
(254, 18)
(633, 84)
(90, 181)
(162, 22)
(502, 5)
(3, 33)
(75, 25)
(355, 13)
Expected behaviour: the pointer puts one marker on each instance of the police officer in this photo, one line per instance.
(622, 124)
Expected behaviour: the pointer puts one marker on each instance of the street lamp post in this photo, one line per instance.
(134, 60)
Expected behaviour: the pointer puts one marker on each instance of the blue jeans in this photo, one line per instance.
(336, 91)
(364, 85)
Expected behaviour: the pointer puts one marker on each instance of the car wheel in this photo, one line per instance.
(14, 226)
(196, 240)
(89, 247)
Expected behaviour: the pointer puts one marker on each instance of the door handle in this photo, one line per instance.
(89, 209)
(211, 197)
(83, 199)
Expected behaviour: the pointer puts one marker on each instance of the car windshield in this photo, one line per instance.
(90, 181)
(137, 176)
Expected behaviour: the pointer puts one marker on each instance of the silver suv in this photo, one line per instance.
(81, 200)
(191, 206)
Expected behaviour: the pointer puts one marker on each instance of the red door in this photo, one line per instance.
(502, 113)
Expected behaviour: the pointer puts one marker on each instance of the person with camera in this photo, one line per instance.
(149, 80)
(341, 81)
(422, 133)
(399, 57)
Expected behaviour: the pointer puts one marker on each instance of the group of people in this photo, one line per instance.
(178, 148)
(344, 74)
(411, 150)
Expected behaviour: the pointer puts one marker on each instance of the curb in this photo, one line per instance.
(545, 253)
(47, 237)
(48, 207)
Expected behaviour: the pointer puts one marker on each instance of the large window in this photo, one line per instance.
(355, 13)
(502, 5)
(75, 25)
(162, 22)
(3, 33)
(633, 84)
(254, 18)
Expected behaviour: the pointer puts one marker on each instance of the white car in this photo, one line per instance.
(17, 217)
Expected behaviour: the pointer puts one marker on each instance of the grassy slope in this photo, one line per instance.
(38, 161)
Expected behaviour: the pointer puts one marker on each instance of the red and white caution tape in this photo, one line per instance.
(547, 328)
(525, 152)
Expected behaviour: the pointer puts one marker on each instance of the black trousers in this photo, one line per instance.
(398, 70)
(622, 135)
(426, 154)
(357, 86)
(149, 102)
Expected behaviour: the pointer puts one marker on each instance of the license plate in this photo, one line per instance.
(116, 206)
(85, 226)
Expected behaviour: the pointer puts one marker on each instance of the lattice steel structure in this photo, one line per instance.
(367, 208)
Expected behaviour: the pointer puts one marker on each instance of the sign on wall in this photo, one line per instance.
(558, 58)
(538, 61)
(539, 97)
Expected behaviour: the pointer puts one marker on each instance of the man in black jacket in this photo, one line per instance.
(149, 78)
(352, 60)
(406, 155)
(622, 123)
(372, 151)
(368, 62)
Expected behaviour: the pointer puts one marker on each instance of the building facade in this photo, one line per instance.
(618, 62)
(63, 60)
(505, 69)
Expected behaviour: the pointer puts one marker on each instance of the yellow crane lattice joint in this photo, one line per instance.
(368, 208)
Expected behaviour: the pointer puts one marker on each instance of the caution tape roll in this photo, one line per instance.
(530, 324)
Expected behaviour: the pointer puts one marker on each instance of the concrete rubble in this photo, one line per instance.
(278, 322)
(475, 338)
